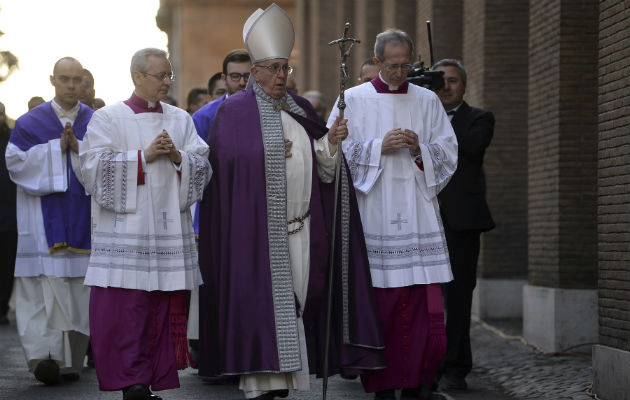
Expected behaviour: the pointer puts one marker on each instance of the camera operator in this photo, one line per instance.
(465, 215)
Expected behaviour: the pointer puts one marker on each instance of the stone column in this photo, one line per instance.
(368, 24)
(560, 299)
(320, 62)
(611, 357)
(495, 39)
(201, 33)
(446, 29)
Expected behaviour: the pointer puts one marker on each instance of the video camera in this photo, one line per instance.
(425, 77)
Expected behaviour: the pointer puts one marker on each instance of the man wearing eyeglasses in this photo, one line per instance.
(235, 74)
(402, 151)
(264, 236)
(144, 165)
(53, 215)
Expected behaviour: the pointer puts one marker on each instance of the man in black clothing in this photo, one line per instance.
(8, 223)
(465, 216)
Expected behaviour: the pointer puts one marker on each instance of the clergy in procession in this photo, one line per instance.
(53, 214)
(144, 165)
(265, 236)
(402, 151)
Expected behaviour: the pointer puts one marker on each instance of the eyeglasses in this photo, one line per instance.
(162, 76)
(275, 68)
(235, 76)
(394, 67)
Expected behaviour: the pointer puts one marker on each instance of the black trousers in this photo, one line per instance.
(8, 247)
(463, 248)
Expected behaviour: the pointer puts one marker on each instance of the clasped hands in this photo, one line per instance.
(401, 139)
(67, 139)
(162, 145)
(338, 131)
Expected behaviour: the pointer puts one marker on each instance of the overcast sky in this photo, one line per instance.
(102, 35)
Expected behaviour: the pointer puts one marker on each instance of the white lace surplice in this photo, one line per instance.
(142, 235)
(398, 201)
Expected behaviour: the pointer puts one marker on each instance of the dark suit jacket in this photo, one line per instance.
(463, 201)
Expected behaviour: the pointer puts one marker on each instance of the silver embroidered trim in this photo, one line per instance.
(113, 181)
(438, 158)
(276, 188)
(198, 172)
(359, 160)
(108, 176)
(345, 246)
(123, 188)
(405, 236)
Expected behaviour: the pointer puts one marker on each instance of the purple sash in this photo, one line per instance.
(66, 215)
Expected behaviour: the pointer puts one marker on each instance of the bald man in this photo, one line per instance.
(53, 216)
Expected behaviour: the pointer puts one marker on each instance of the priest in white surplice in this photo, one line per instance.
(144, 165)
(53, 214)
(402, 151)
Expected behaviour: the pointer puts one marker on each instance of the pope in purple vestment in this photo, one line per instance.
(265, 226)
(234, 258)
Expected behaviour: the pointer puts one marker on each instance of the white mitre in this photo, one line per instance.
(269, 34)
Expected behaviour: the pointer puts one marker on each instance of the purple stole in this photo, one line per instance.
(66, 215)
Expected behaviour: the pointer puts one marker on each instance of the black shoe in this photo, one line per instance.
(389, 394)
(137, 392)
(70, 377)
(452, 382)
(409, 393)
(47, 371)
(154, 397)
(193, 349)
(90, 355)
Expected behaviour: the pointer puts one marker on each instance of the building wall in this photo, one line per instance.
(495, 55)
(446, 18)
(202, 32)
(562, 144)
(613, 211)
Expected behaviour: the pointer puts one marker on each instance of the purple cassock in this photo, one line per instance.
(66, 214)
(240, 305)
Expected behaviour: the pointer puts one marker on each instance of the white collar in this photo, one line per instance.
(390, 87)
(62, 113)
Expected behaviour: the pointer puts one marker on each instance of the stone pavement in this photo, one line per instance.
(524, 372)
(505, 369)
